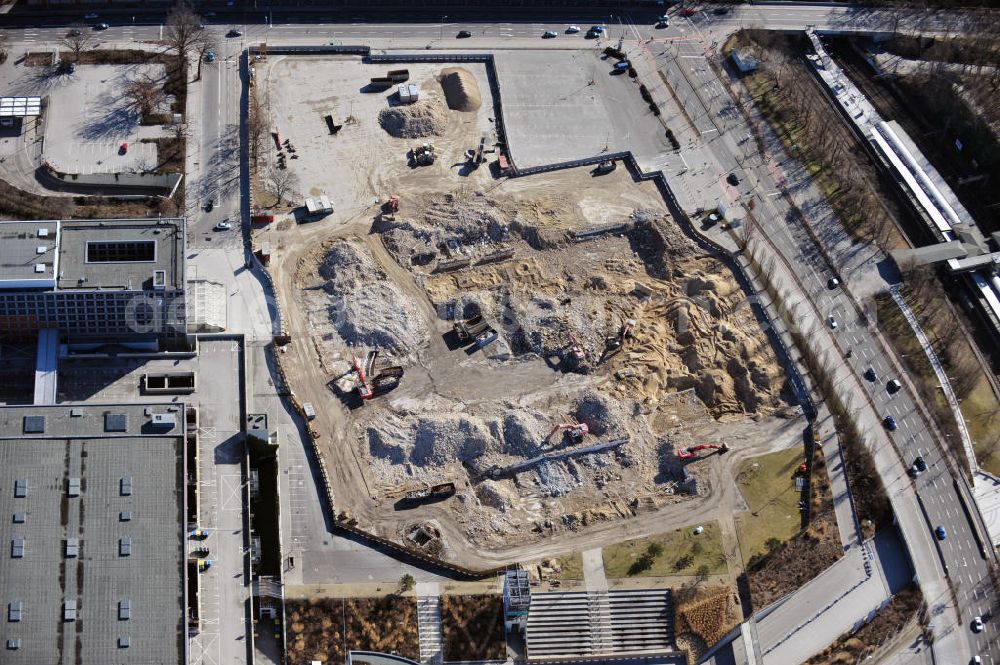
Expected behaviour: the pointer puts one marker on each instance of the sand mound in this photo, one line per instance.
(461, 90)
(364, 306)
(427, 117)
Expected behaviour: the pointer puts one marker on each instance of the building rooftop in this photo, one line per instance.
(80, 559)
(115, 254)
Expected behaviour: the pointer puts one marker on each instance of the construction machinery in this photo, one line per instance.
(423, 155)
(615, 343)
(607, 166)
(575, 429)
(387, 379)
(576, 348)
(476, 329)
(390, 208)
(691, 451)
(370, 384)
(364, 390)
(421, 492)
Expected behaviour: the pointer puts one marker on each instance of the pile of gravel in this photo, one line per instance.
(427, 117)
(364, 307)
(461, 90)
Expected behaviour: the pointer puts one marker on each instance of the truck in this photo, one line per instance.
(470, 328)
(309, 410)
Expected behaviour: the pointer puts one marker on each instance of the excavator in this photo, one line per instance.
(577, 349)
(691, 451)
(383, 382)
(390, 208)
(576, 431)
(613, 345)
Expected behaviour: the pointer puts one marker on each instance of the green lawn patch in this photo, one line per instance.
(679, 552)
(768, 485)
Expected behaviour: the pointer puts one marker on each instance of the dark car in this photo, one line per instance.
(940, 533)
(733, 179)
(890, 423)
(234, 33)
(919, 464)
(101, 26)
(463, 34)
(74, 33)
(720, 11)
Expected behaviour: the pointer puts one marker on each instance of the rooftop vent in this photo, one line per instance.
(18, 518)
(43, 233)
(125, 486)
(14, 643)
(124, 547)
(124, 642)
(39, 267)
(115, 422)
(165, 420)
(73, 487)
(124, 609)
(14, 611)
(17, 548)
(125, 516)
(20, 488)
(72, 547)
(159, 280)
(41, 249)
(69, 610)
(34, 424)
(76, 413)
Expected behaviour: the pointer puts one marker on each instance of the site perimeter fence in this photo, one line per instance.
(657, 177)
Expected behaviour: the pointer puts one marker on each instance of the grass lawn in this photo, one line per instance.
(768, 486)
(572, 567)
(982, 415)
(683, 554)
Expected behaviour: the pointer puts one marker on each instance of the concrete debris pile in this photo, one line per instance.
(364, 307)
(425, 118)
(460, 89)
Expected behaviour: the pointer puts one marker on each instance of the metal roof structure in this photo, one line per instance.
(20, 107)
(79, 576)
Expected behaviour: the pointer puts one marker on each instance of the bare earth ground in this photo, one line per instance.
(695, 369)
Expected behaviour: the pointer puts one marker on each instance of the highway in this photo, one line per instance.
(921, 505)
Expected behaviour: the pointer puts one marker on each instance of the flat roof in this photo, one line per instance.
(20, 107)
(106, 254)
(73, 444)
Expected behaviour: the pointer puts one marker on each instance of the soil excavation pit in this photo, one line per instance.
(597, 310)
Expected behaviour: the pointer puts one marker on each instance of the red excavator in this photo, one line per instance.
(364, 390)
(688, 453)
(576, 431)
(390, 208)
(578, 353)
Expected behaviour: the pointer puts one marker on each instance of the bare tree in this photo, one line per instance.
(77, 40)
(256, 125)
(281, 182)
(183, 30)
(4, 47)
(144, 93)
(204, 42)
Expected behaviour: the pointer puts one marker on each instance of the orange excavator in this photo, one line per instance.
(576, 431)
(369, 384)
(691, 451)
(364, 390)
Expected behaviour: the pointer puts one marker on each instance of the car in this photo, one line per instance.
(918, 466)
(663, 18)
(976, 660)
(463, 34)
(893, 386)
(91, 16)
(234, 33)
(204, 564)
(687, 11)
(832, 283)
(623, 65)
(597, 28)
(548, 34)
(871, 374)
(101, 26)
(209, 204)
(123, 149)
(977, 625)
(832, 321)
(940, 532)
(733, 179)
(199, 534)
(720, 11)
(890, 423)
(210, 56)
(662, 24)
(74, 33)
(573, 29)
(223, 226)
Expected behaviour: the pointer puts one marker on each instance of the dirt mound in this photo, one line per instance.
(428, 117)
(460, 89)
(364, 307)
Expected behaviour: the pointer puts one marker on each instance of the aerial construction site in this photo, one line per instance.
(492, 360)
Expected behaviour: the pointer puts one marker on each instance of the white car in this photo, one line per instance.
(832, 321)
(548, 34)
(977, 625)
(223, 226)
(573, 29)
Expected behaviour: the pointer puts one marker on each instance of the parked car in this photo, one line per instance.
(940, 532)
(832, 321)
(733, 179)
(210, 56)
(977, 625)
(890, 423)
(123, 150)
(573, 29)
(463, 34)
(623, 65)
(74, 33)
(918, 467)
(548, 34)
(893, 386)
(223, 226)
(871, 374)
(720, 11)
(832, 283)
(209, 204)
(597, 28)
(234, 33)
(662, 24)
(199, 534)
(101, 26)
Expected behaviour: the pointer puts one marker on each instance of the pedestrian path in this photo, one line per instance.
(429, 623)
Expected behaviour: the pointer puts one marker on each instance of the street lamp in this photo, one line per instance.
(441, 36)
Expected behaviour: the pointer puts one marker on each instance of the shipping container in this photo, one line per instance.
(404, 93)
(399, 75)
(414, 92)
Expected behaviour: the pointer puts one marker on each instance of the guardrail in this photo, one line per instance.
(299, 50)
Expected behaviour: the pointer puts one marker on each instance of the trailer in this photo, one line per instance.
(319, 206)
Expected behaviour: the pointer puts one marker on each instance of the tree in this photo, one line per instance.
(702, 572)
(641, 565)
(204, 42)
(683, 561)
(654, 550)
(256, 125)
(77, 40)
(183, 30)
(772, 544)
(281, 182)
(144, 93)
(4, 47)
(406, 583)
(696, 548)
